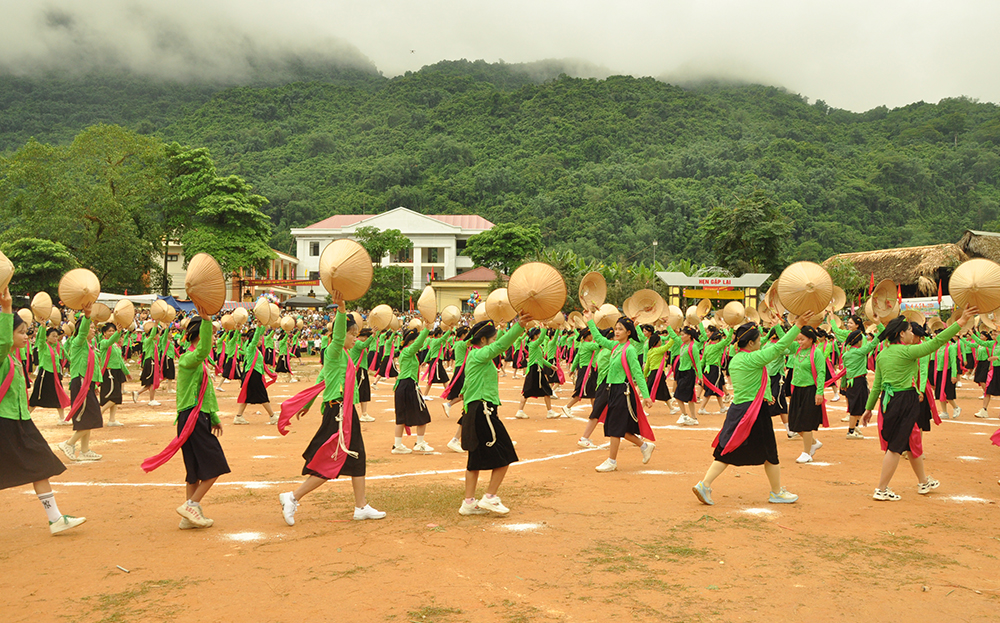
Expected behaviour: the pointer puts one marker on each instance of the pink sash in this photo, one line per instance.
(659, 376)
(330, 458)
(586, 374)
(447, 390)
(88, 380)
(296, 403)
(749, 418)
(9, 378)
(812, 363)
(944, 374)
(175, 444)
(390, 359)
(645, 430)
(246, 379)
(60, 392)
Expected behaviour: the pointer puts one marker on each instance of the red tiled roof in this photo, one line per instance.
(476, 274)
(465, 221)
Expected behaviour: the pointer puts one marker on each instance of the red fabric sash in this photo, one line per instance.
(390, 359)
(560, 375)
(447, 390)
(989, 375)
(812, 363)
(157, 372)
(586, 374)
(659, 376)
(246, 379)
(220, 360)
(929, 397)
(645, 430)
(296, 403)
(88, 380)
(9, 379)
(916, 436)
(749, 418)
(944, 374)
(175, 444)
(995, 438)
(330, 457)
(60, 392)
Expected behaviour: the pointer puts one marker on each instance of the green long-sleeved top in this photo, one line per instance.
(856, 360)
(334, 372)
(585, 353)
(149, 343)
(461, 347)
(47, 353)
(536, 351)
(690, 358)
(166, 346)
(252, 345)
(655, 357)
(747, 369)
(79, 352)
(14, 403)
(896, 366)
(481, 381)
(190, 376)
(802, 368)
(947, 352)
(712, 356)
(777, 365)
(110, 346)
(616, 371)
(409, 365)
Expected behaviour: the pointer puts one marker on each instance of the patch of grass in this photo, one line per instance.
(137, 603)
(442, 500)
(888, 550)
(432, 613)
(519, 613)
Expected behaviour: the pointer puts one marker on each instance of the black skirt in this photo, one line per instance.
(167, 368)
(354, 467)
(759, 446)
(437, 372)
(803, 412)
(457, 385)
(949, 386)
(600, 401)
(111, 386)
(661, 392)
(713, 376)
(993, 389)
(256, 390)
(898, 420)
(89, 417)
(857, 395)
(410, 407)
(585, 391)
(364, 385)
(231, 369)
(520, 360)
(43, 391)
(25, 456)
(485, 437)
(685, 385)
(146, 376)
(535, 384)
(924, 415)
(551, 375)
(386, 370)
(622, 416)
(282, 366)
(778, 392)
(982, 371)
(202, 452)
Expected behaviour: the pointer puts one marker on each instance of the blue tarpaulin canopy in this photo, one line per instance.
(184, 306)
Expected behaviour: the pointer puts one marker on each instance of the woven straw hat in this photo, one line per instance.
(629, 308)
(990, 320)
(380, 317)
(240, 316)
(675, 317)
(479, 313)
(26, 316)
(261, 311)
(299, 324)
(772, 300)
(275, 318)
(450, 316)
(767, 315)
(148, 326)
(883, 299)
(347, 267)
(205, 284)
(55, 317)
(498, 307)
(79, 288)
(185, 322)
(704, 307)
(427, 304)
(752, 315)
(415, 323)
(593, 290)
(358, 319)
(538, 289)
(124, 313)
(839, 299)
(606, 316)
(100, 313)
(41, 307)
(805, 286)
(160, 311)
(558, 321)
(6, 271)
(649, 306)
(913, 315)
(734, 313)
(577, 320)
(288, 324)
(691, 316)
(228, 322)
(69, 328)
(835, 320)
(396, 323)
(976, 282)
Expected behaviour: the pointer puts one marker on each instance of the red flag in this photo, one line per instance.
(939, 294)
(899, 293)
(411, 303)
(871, 284)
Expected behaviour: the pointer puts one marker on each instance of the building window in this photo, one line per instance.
(432, 256)
(405, 256)
(459, 246)
(171, 257)
(313, 275)
(313, 249)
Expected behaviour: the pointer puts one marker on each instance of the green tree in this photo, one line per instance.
(390, 286)
(38, 265)
(380, 242)
(504, 247)
(846, 275)
(749, 236)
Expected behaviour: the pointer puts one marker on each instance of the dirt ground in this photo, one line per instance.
(577, 545)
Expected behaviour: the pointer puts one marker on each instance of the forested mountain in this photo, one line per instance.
(604, 167)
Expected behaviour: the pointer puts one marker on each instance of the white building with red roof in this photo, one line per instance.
(438, 241)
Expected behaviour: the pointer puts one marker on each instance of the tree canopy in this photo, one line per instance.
(504, 247)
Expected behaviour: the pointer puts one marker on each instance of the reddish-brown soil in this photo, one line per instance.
(577, 545)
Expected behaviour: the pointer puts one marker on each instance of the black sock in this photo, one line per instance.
(850, 430)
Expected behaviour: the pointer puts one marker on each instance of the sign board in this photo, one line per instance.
(749, 280)
(736, 295)
(927, 304)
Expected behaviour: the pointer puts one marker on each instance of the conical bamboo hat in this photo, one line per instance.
(884, 299)
(976, 282)
(415, 323)
(358, 319)
(450, 316)
(479, 313)
(380, 317)
(100, 313)
(835, 320)
(427, 304)
(6, 271)
(558, 321)
(262, 312)
(913, 315)
(772, 300)
(185, 322)
(347, 267)
(691, 316)
(41, 307)
(649, 306)
(538, 289)
(839, 299)
(69, 328)
(124, 314)
(205, 284)
(148, 326)
(704, 307)
(160, 311)
(396, 323)
(606, 316)
(55, 317)
(593, 290)
(228, 322)
(299, 323)
(240, 316)
(577, 320)
(805, 286)
(275, 318)
(734, 313)
(629, 308)
(78, 288)
(498, 307)
(26, 316)
(288, 324)
(752, 315)
(675, 317)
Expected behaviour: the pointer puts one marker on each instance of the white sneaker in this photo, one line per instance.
(607, 466)
(65, 523)
(89, 455)
(68, 450)
(957, 412)
(886, 495)
(675, 411)
(192, 512)
(239, 419)
(805, 457)
(816, 446)
(62, 422)
(855, 434)
(566, 412)
(273, 419)
(135, 396)
(690, 421)
(724, 409)
(835, 398)
(422, 446)
(682, 418)
(647, 451)
(493, 504)
(360, 514)
(288, 506)
(115, 423)
(471, 508)
(924, 488)
(846, 418)
(702, 412)
(400, 449)
(551, 415)
(793, 435)
(447, 408)
(428, 398)
(586, 443)
(982, 413)
(364, 417)
(455, 446)
(153, 403)
(521, 415)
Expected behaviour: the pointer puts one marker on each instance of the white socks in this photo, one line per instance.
(420, 439)
(398, 442)
(48, 500)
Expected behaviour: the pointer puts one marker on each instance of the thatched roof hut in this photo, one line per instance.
(916, 269)
(981, 244)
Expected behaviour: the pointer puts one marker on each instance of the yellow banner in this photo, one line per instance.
(736, 295)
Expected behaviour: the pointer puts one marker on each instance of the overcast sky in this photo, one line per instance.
(854, 54)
